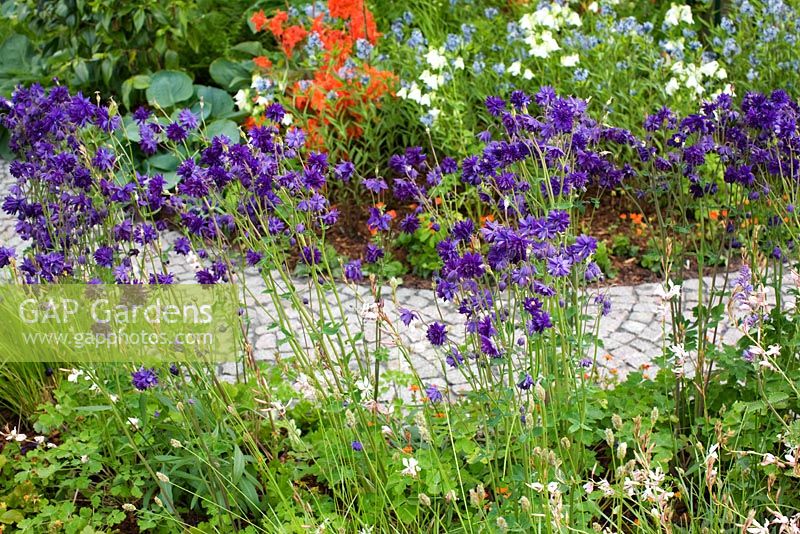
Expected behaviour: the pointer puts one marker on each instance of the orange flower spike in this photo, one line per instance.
(438, 201)
(713, 215)
(623, 216)
(259, 20)
(408, 449)
(413, 387)
(392, 214)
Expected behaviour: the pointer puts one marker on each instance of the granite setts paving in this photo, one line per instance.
(632, 333)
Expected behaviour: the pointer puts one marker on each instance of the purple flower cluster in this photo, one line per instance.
(83, 222)
(549, 151)
(757, 146)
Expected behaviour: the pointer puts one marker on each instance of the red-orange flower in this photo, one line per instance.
(259, 20)
(262, 62)
(276, 23)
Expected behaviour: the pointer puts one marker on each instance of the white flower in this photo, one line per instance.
(542, 45)
(528, 74)
(134, 422)
(412, 467)
(570, 60)
(515, 68)
(128, 507)
(241, 99)
(677, 14)
(710, 68)
(113, 398)
(287, 120)
(387, 431)
(435, 58)
(39, 439)
(668, 292)
(162, 477)
(85, 458)
(15, 436)
(458, 63)
(672, 86)
(74, 374)
(363, 385)
(175, 443)
(535, 486)
(433, 81)
(402, 93)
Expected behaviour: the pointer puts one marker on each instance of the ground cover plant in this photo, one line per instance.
(490, 181)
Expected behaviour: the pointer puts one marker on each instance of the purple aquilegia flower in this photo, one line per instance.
(144, 379)
(6, 253)
(437, 334)
(357, 446)
(433, 393)
(352, 271)
(187, 119)
(373, 253)
(406, 316)
(526, 383)
(604, 302)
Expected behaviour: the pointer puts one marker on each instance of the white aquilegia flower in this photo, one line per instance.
(542, 44)
(677, 14)
(433, 81)
(514, 69)
(458, 63)
(435, 58)
(570, 60)
(672, 86)
(134, 422)
(411, 467)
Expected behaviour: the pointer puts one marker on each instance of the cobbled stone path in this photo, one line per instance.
(632, 333)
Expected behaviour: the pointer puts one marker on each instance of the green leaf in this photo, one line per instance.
(238, 464)
(163, 162)
(254, 48)
(223, 127)
(229, 74)
(220, 101)
(11, 516)
(138, 19)
(140, 81)
(169, 87)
